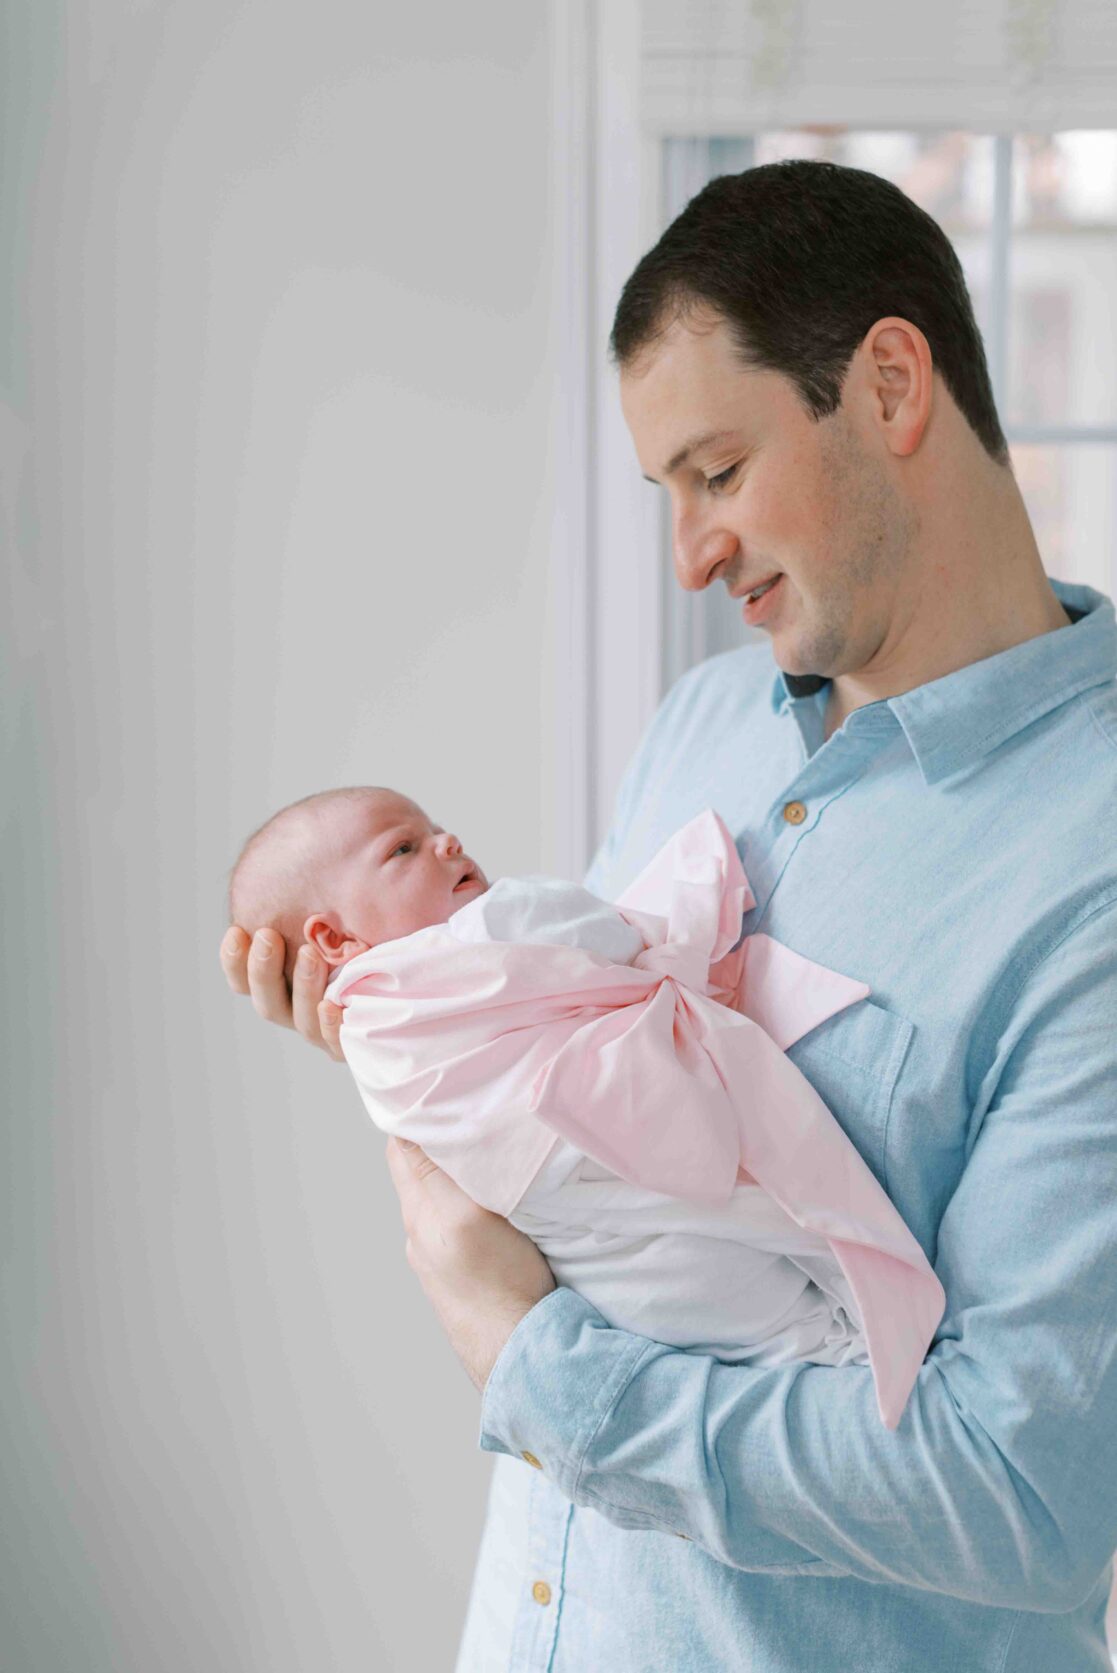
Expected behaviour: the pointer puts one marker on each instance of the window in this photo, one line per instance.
(997, 118)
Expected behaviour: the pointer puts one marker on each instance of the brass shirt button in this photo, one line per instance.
(541, 1592)
(794, 813)
(532, 1459)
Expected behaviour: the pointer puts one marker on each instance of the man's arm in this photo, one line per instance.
(1000, 1484)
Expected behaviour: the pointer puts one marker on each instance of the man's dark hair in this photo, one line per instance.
(801, 258)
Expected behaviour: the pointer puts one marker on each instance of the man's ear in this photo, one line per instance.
(899, 371)
(335, 944)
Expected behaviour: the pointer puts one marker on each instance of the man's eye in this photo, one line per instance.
(721, 480)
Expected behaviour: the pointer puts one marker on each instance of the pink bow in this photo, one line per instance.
(687, 1096)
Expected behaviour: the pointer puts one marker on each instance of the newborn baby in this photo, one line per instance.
(348, 869)
(600, 1072)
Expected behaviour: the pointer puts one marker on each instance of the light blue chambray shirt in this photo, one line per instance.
(959, 854)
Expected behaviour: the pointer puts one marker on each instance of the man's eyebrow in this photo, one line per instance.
(709, 438)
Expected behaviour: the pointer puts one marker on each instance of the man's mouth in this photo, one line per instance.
(758, 592)
(762, 602)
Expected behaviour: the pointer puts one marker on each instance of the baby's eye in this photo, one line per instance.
(400, 849)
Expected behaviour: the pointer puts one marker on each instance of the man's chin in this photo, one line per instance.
(804, 657)
(790, 660)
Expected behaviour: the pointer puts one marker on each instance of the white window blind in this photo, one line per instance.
(723, 67)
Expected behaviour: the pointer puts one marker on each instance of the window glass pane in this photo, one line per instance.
(1062, 340)
(949, 174)
(1071, 496)
(1065, 180)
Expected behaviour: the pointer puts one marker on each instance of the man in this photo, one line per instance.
(920, 765)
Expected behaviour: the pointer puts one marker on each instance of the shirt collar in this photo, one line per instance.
(952, 722)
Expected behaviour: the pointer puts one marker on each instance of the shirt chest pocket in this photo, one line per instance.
(853, 1060)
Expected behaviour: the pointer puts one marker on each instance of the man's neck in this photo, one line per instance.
(1032, 612)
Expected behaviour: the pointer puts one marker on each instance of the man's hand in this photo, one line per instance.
(480, 1274)
(257, 970)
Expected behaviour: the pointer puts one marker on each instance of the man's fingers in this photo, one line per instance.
(307, 987)
(256, 968)
(412, 1170)
(267, 985)
(402, 1178)
(423, 1168)
(329, 1021)
(410, 1167)
(316, 1019)
(234, 958)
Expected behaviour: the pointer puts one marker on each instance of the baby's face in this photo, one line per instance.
(390, 871)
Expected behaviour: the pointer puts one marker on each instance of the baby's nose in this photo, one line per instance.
(449, 844)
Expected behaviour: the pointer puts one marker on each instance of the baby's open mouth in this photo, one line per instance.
(469, 876)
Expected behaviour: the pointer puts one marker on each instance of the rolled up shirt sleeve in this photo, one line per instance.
(1000, 1484)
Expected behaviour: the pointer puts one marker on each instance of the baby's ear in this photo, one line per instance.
(335, 944)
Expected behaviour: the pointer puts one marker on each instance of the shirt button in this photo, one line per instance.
(794, 812)
(532, 1459)
(541, 1592)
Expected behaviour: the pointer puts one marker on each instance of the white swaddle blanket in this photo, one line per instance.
(741, 1281)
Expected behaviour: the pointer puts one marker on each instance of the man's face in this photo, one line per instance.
(812, 502)
(394, 871)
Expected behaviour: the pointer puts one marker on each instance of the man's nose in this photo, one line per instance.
(699, 553)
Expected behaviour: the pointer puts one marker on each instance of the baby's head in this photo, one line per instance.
(347, 869)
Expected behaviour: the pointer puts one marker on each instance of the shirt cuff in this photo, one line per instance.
(534, 1405)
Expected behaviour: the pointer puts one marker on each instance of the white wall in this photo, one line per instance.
(274, 442)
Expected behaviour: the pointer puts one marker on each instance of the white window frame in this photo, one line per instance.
(606, 615)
